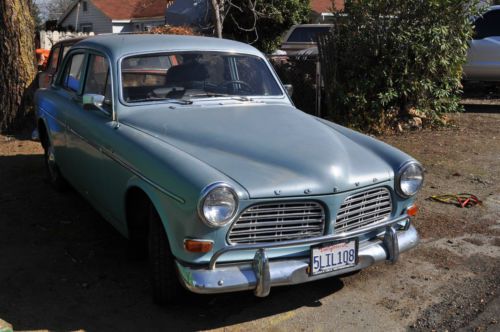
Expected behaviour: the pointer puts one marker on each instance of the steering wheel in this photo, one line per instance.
(244, 86)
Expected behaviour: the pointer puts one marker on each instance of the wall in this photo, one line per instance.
(100, 22)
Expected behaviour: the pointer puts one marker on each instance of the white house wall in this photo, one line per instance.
(100, 22)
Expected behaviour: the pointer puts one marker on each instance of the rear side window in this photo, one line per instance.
(73, 72)
(488, 25)
(54, 59)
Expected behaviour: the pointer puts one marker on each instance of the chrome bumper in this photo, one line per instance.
(261, 274)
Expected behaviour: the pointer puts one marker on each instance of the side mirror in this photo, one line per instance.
(289, 89)
(93, 101)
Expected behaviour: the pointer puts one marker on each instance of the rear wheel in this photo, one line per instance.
(54, 175)
(166, 286)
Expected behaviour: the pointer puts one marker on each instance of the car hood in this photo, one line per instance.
(271, 150)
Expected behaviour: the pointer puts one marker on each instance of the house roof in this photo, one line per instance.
(126, 9)
(325, 6)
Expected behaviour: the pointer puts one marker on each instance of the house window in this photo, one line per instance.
(86, 27)
(84, 6)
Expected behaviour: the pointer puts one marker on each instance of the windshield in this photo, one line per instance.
(191, 75)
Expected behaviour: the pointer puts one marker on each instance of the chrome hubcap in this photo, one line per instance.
(51, 161)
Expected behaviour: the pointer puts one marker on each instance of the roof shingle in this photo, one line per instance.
(325, 6)
(122, 10)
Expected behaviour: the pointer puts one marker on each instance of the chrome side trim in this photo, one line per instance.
(303, 242)
(111, 155)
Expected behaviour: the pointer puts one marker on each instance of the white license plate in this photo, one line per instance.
(333, 256)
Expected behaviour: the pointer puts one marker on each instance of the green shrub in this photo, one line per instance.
(301, 74)
(386, 59)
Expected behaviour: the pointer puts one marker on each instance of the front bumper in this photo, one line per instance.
(261, 274)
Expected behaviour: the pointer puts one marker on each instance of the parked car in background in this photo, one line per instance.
(191, 148)
(483, 57)
(56, 55)
(302, 36)
(48, 70)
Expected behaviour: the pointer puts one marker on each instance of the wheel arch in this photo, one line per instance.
(138, 198)
(43, 132)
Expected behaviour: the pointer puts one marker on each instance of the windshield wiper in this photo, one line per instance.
(213, 94)
(170, 100)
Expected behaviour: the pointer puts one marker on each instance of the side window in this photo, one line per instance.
(54, 59)
(488, 25)
(98, 80)
(72, 77)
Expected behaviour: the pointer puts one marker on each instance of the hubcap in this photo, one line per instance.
(51, 161)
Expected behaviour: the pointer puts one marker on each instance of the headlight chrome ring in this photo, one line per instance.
(409, 179)
(218, 204)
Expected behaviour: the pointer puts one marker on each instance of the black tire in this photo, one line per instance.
(165, 285)
(54, 176)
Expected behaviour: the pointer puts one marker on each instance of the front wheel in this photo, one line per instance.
(166, 287)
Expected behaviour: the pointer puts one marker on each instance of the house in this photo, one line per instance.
(113, 16)
(321, 10)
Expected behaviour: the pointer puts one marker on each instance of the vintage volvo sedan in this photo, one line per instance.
(192, 148)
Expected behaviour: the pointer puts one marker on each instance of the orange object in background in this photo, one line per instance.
(42, 56)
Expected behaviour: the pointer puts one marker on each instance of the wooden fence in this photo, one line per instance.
(49, 38)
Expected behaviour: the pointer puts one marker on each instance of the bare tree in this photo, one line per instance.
(53, 9)
(221, 9)
(17, 68)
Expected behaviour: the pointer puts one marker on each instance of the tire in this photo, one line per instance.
(165, 285)
(54, 176)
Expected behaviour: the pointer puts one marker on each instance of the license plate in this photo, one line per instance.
(333, 256)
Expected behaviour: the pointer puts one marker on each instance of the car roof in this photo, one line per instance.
(69, 41)
(119, 45)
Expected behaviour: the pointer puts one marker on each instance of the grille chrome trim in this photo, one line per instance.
(366, 208)
(277, 222)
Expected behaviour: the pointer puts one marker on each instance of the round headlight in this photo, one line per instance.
(218, 205)
(410, 179)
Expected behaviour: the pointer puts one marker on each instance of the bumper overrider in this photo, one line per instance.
(261, 274)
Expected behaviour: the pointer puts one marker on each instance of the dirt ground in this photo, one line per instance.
(63, 268)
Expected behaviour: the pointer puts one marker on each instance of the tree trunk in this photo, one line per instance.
(17, 63)
(218, 16)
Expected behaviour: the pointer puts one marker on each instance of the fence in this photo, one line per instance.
(49, 38)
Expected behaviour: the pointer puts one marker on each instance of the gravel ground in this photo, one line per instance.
(63, 268)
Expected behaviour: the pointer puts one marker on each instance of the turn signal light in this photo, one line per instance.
(198, 246)
(412, 210)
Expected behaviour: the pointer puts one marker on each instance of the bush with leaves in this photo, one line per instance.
(385, 60)
(301, 74)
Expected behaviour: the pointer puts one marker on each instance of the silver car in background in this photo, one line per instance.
(483, 58)
(302, 36)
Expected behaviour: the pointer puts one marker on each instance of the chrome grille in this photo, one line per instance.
(364, 209)
(278, 222)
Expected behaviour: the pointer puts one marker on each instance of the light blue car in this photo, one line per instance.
(192, 148)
